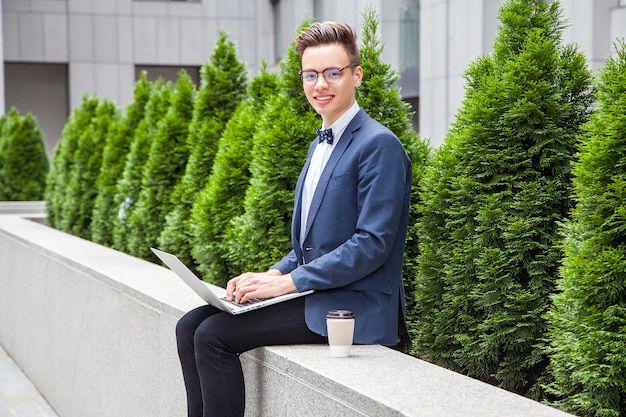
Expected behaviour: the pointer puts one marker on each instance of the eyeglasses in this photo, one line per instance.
(331, 75)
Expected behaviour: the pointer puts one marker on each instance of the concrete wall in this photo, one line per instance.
(93, 329)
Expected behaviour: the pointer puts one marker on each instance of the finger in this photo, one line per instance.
(240, 294)
(231, 287)
(246, 295)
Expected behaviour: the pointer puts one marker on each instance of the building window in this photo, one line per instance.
(409, 50)
(43, 90)
(278, 33)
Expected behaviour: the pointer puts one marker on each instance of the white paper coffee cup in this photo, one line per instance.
(340, 326)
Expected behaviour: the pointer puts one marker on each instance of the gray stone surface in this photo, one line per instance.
(93, 329)
(18, 396)
(374, 381)
(36, 208)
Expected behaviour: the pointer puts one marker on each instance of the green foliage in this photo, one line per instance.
(260, 236)
(113, 161)
(381, 99)
(63, 159)
(78, 202)
(129, 185)
(492, 201)
(222, 198)
(588, 321)
(165, 166)
(24, 164)
(223, 87)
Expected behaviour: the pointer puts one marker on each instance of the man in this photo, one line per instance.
(348, 233)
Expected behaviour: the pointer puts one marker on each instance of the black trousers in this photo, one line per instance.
(210, 341)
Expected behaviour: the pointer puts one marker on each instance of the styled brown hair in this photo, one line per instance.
(329, 32)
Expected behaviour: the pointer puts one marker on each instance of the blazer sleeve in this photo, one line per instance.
(287, 264)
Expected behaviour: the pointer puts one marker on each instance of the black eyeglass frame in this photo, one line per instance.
(317, 74)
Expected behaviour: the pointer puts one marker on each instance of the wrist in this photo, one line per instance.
(288, 283)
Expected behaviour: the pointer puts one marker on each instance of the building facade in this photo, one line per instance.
(56, 51)
(453, 33)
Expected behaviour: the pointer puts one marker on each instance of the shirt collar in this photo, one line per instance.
(342, 122)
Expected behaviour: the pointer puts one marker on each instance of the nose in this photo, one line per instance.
(322, 79)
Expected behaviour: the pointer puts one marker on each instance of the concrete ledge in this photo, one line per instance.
(35, 209)
(374, 381)
(93, 329)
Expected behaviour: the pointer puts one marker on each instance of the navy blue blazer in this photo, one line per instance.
(355, 234)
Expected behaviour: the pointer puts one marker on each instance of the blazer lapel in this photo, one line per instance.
(335, 157)
(295, 223)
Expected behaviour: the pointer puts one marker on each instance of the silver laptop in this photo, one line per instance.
(216, 296)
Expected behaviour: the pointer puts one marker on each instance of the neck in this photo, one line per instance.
(329, 120)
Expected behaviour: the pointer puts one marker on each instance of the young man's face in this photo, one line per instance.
(330, 100)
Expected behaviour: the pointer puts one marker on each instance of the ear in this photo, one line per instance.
(358, 76)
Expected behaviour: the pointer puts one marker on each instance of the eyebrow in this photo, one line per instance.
(331, 67)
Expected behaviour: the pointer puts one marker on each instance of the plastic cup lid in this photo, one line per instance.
(339, 314)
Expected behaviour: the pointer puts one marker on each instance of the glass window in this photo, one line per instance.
(409, 49)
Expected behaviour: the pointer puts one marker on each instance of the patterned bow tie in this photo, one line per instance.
(325, 135)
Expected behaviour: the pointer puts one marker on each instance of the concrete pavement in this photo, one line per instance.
(18, 396)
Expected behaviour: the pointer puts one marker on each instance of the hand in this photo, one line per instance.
(259, 285)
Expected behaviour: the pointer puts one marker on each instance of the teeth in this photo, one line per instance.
(324, 98)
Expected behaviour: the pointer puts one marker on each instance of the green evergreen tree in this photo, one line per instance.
(113, 161)
(588, 321)
(3, 145)
(261, 235)
(129, 185)
(77, 207)
(492, 201)
(223, 87)
(222, 198)
(3, 119)
(165, 166)
(63, 158)
(381, 99)
(24, 164)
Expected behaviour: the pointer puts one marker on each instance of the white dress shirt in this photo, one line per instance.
(320, 157)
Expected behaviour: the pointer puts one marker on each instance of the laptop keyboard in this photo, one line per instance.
(247, 303)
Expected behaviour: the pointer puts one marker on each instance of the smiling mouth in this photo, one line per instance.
(323, 98)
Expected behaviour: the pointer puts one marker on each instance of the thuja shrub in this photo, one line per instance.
(492, 201)
(588, 321)
(77, 205)
(381, 99)
(261, 235)
(128, 186)
(113, 161)
(165, 166)
(222, 88)
(24, 164)
(63, 158)
(222, 198)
